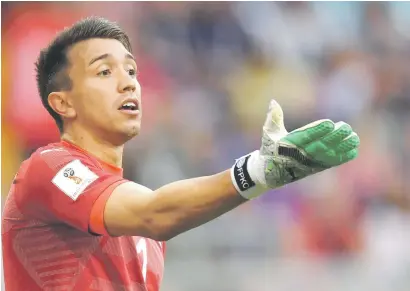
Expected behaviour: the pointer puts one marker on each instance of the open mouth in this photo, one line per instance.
(129, 106)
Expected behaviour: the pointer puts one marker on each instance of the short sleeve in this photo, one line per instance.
(62, 187)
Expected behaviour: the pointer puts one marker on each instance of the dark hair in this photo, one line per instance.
(52, 63)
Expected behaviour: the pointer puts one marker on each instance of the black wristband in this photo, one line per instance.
(241, 174)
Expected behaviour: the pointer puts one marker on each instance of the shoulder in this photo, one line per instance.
(54, 157)
(59, 165)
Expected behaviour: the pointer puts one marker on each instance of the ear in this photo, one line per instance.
(61, 104)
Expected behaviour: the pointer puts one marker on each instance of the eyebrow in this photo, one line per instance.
(105, 56)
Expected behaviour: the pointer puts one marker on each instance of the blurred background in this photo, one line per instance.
(208, 71)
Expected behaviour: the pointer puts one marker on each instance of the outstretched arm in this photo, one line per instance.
(283, 158)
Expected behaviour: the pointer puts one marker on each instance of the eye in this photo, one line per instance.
(132, 72)
(104, 73)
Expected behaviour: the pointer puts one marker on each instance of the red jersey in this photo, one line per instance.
(48, 243)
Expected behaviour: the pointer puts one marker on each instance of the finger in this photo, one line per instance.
(333, 158)
(310, 132)
(347, 156)
(316, 148)
(342, 130)
(349, 143)
(274, 119)
(320, 147)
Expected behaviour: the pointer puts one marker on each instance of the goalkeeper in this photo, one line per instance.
(72, 222)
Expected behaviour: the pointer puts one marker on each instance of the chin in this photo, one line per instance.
(121, 134)
(132, 130)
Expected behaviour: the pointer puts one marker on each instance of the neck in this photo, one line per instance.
(99, 148)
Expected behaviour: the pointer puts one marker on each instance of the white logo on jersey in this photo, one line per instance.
(73, 178)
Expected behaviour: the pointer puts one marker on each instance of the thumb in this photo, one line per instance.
(274, 120)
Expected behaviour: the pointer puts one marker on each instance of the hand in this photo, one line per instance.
(287, 157)
(315, 147)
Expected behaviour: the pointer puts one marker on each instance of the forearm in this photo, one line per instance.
(186, 204)
(133, 209)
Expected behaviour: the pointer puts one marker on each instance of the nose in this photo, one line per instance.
(126, 83)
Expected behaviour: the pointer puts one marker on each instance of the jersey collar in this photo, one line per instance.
(107, 166)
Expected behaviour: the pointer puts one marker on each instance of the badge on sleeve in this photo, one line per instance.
(73, 178)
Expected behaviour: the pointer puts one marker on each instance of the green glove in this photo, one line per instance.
(287, 157)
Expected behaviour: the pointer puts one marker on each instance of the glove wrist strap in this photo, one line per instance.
(243, 175)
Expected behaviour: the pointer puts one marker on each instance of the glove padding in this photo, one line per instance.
(310, 149)
(287, 157)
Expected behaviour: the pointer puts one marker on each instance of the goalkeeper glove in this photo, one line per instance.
(287, 157)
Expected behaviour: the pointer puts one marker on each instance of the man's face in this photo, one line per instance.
(106, 95)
